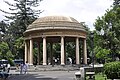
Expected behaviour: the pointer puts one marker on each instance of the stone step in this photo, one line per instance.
(52, 68)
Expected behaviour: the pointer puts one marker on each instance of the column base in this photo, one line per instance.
(30, 64)
(44, 64)
(62, 63)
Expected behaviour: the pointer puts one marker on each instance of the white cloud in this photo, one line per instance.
(82, 10)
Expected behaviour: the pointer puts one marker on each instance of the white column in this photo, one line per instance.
(77, 51)
(31, 52)
(62, 51)
(28, 50)
(26, 53)
(44, 51)
(85, 53)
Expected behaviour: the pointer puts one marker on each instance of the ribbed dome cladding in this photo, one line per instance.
(55, 22)
(56, 18)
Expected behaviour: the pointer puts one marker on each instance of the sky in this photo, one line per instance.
(82, 10)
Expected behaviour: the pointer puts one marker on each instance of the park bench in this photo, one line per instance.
(89, 71)
(84, 72)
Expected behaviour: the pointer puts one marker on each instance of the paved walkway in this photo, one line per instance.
(43, 75)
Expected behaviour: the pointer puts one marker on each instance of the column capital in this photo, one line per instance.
(31, 38)
(62, 36)
(77, 37)
(43, 36)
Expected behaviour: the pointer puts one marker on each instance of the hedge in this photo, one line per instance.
(112, 70)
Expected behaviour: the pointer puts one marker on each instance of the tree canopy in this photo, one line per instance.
(21, 14)
(107, 29)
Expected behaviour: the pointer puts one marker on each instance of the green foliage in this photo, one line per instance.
(99, 76)
(5, 53)
(112, 70)
(35, 52)
(21, 14)
(11, 62)
(108, 29)
(102, 54)
(56, 50)
(19, 43)
(3, 31)
(70, 49)
(19, 47)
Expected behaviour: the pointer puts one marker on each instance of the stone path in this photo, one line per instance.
(30, 77)
(45, 75)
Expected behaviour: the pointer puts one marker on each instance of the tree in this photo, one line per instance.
(3, 30)
(56, 50)
(22, 13)
(5, 53)
(108, 29)
(70, 49)
(19, 47)
(102, 54)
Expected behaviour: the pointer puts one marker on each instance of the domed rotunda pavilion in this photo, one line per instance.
(54, 29)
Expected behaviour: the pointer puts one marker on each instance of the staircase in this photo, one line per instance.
(53, 68)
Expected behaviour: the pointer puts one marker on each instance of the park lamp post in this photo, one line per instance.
(92, 47)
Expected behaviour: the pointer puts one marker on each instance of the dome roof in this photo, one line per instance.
(55, 22)
(55, 18)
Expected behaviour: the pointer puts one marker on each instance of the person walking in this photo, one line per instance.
(8, 68)
(25, 67)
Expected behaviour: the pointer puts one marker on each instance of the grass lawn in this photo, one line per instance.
(100, 76)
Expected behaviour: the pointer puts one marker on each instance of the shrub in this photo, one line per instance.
(112, 70)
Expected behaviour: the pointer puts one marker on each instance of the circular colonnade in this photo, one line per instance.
(54, 29)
